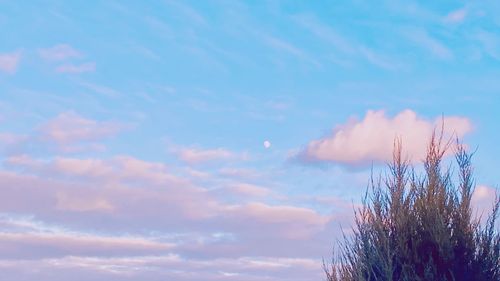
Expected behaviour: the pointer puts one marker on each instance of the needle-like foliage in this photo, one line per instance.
(420, 227)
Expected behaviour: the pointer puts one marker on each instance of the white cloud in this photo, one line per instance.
(372, 139)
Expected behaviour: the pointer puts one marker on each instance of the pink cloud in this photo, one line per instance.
(82, 202)
(79, 244)
(81, 167)
(76, 68)
(285, 221)
(68, 132)
(11, 139)
(74, 167)
(128, 191)
(9, 62)
(116, 169)
(372, 139)
(165, 267)
(59, 52)
(482, 201)
(24, 233)
(249, 189)
(192, 228)
(68, 129)
(279, 214)
(120, 186)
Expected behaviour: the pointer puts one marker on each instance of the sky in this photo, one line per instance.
(224, 140)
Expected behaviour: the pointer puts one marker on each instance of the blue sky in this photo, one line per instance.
(132, 132)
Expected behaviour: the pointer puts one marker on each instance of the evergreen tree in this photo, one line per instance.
(420, 227)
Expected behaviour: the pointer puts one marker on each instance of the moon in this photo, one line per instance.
(267, 144)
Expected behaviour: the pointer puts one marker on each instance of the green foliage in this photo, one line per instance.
(420, 227)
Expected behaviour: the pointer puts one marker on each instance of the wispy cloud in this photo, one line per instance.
(196, 155)
(249, 189)
(100, 89)
(326, 33)
(9, 62)
(188, 12)
(24, 233)
(377, 59)
(76, 68)
(165, 267)
(456, 16)
(160, 26)
(68, 132)
(348, 49)
(287, 47)
(429, 43)
(59, 52)
(490, 43)
(301, 222)
(284, 46)
(63, 54)
(68, 128)
(240, 173)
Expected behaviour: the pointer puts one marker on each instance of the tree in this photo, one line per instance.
(420, 226)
